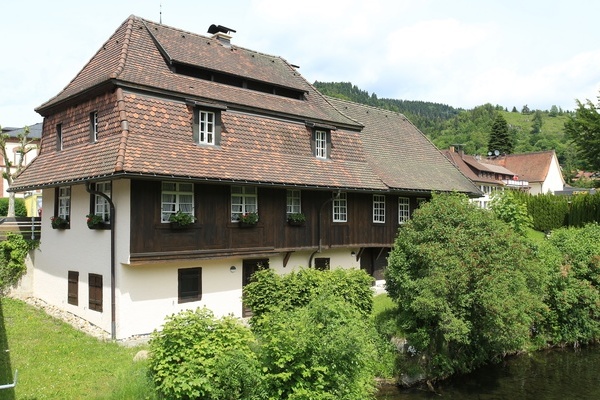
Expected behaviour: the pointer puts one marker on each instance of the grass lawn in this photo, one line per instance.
(56, 361)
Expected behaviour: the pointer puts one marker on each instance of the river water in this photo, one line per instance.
(560, 374)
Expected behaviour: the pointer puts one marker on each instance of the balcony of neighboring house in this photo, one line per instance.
(515, 183)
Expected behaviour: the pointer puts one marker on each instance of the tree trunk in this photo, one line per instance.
(11, 205)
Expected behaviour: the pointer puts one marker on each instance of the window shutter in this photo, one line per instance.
(196, 126)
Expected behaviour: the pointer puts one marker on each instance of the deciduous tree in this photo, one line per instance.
(583, 129)
(11, 170)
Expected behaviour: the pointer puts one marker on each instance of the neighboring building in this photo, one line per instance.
(487, 177)
(162, 120)
(541, 169)
(33, 199)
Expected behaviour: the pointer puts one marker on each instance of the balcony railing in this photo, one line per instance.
(515, 183)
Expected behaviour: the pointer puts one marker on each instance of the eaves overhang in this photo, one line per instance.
(196, 179)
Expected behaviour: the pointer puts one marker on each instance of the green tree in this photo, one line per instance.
(512, 211)
(13, 251)
(583, 129)
(536, 124)
(466, 286)
(11, 170)
(500, 137)
(553, 111)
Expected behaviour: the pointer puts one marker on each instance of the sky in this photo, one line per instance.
(462, 53)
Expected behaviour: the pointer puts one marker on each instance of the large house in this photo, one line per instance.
(489, 178)
(162, 120)
(541, 169)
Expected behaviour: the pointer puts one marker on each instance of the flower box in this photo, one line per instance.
(59, 223)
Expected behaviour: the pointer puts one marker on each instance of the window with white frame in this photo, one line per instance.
(293, 202)
(378, 208)
(176, 196)
(244, 200)
(63, 203)
(94, 126)
(321, 144)
(340, 208)
(206, 127)
(403, 209)
(101, 205)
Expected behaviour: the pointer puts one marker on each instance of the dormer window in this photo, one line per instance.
(207, 126)
(321, 144)
(320, 139)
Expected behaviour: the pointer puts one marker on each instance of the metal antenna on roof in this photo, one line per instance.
(160, 13)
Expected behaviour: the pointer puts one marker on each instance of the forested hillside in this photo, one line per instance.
(531, 130)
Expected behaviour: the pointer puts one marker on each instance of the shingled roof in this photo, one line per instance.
(532, 167)
(141, 54)
(400, 154)
(264, 138)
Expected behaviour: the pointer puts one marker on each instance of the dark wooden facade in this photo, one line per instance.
(214, 235)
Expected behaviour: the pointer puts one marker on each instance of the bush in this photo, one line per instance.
(271, 292)
(323, 350)
(512, 211)
(467, 287)
(20, 209)
(585, 208)
(13, 251)
(199, 356)
(573, 297)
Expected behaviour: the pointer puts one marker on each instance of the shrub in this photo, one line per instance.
(199, 356)
(466, 285)
(585, 208)
(271, 292)
(512, 211)
(323, 350)
(573, 296)
(549, 211)
(13, 251)
(20, 209)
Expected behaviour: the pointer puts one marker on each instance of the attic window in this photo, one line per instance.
(237, 81)
(206, 129)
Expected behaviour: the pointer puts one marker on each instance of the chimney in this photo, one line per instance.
(221, 33)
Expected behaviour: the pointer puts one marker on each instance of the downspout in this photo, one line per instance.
(113, 308)
(337, 195)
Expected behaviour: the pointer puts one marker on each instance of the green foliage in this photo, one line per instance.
(20, 209)
(323, 350)
(584, 130)
(466, 286)
(585, 208)
(548, 211)
(512, 211)
(182, 218)
(269, 291)
(13, 251)
(572, 257)
(199, 356)
(500, 138)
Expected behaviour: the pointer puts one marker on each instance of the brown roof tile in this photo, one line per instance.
(532, 167)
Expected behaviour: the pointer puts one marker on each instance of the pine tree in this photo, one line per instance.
(500, 138)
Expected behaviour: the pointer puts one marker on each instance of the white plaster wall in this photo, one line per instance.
(78, 249)
(554, 180)
(149, 292)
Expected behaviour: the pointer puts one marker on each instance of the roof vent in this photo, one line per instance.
(221, 33)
